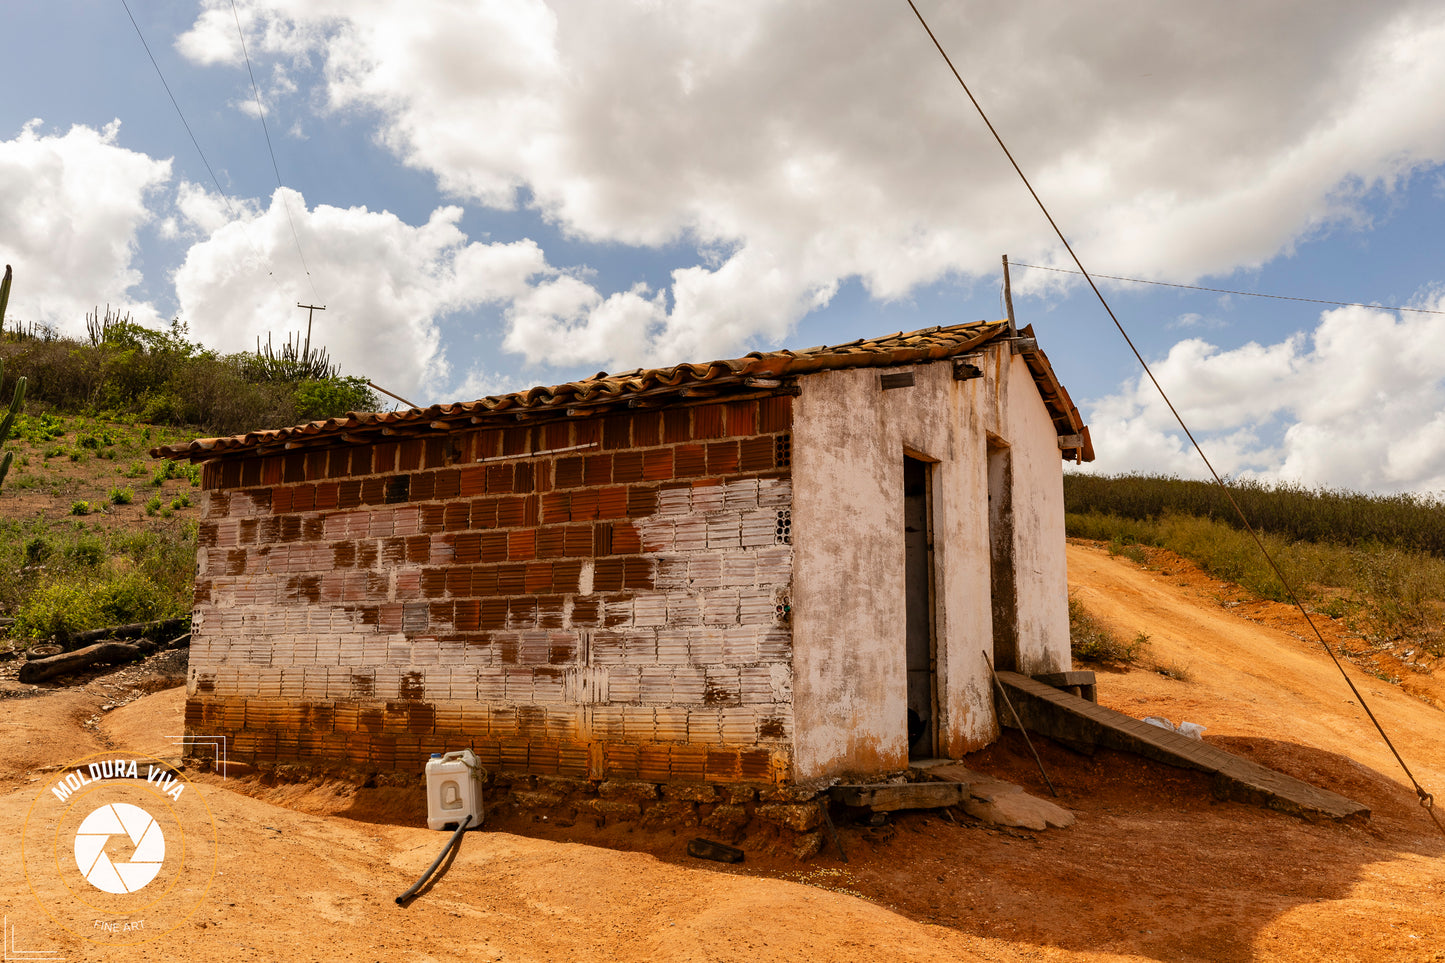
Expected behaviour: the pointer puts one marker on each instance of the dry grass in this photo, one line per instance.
(1388, 594)
(1093, 642)
(1409, 522)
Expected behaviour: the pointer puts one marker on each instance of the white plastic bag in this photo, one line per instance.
(1191, 729)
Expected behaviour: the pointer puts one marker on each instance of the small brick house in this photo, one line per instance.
(769, 569)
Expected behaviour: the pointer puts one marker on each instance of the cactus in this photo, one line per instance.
(19, 400)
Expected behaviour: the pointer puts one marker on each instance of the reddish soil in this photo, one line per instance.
(1154, 868)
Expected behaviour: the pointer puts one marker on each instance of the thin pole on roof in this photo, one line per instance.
(1008, 301)
(392, 394)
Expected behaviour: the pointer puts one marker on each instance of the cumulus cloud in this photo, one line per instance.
(71, 205)
(385, 283)
(480, 383)
(1357, 403)
(797, 145)
(1192, 319)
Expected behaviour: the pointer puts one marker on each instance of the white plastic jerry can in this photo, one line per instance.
(453, 790)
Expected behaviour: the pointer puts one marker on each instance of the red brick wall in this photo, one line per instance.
(601, 597)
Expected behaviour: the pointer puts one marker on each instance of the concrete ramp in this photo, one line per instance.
(1072, 720)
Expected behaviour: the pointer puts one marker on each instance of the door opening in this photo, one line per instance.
(922, 651)
(1003, 586)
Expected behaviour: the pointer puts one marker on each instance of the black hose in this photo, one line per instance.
(456, 838)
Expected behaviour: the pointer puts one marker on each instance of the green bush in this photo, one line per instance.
(67, 606)
(329, 399)
(37, 553)
(164, 378)
(59, 607)
(153, 505)
(165, 408)
(1090, 641)
(38, 429)
(134, 597)
(37, 550)
(86, 550)
(80, 508)
(121, 496)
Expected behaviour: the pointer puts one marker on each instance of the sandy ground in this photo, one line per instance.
(1153, 869)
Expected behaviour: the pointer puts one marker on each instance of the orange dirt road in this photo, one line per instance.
(1154, 869)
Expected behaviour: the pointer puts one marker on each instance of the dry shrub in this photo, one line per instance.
(1091, 641)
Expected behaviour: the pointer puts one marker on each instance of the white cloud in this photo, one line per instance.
(565, 321)
(204, 212)
(213, 39)
(480, 383)
(813, 142)
(385, 283)
(1356, 404)
(70, 208)
(1192, 319)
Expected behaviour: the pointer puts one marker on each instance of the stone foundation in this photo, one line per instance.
(787, 818)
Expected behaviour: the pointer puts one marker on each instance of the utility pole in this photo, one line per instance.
(311, 310)
(1008, 301)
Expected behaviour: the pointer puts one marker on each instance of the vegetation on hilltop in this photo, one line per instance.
(107, 535)
(1292, 512)
(132, 372)
(1376, 561)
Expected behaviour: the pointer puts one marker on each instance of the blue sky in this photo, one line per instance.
(499, 194)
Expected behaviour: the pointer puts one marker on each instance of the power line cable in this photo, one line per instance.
(214, 179)
(261, 112)
(1427, 801)
(230, 208)
(1247, 294)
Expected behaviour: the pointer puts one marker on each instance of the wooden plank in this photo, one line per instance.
(911, 795)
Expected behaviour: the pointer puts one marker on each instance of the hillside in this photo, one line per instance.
(93, 531)
(1370, 568)
(62, 461)
(1153, 869)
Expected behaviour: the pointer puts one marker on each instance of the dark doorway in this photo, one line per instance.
(918, 592)
(1002, 583)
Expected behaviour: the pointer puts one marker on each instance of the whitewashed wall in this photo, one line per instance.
(849, 623)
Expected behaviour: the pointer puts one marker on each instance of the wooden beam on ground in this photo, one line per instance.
(910, 795)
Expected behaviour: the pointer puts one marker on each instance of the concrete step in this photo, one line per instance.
(1072, 720)
(999, 802)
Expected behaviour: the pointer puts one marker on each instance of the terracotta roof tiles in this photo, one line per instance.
(757, 370)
